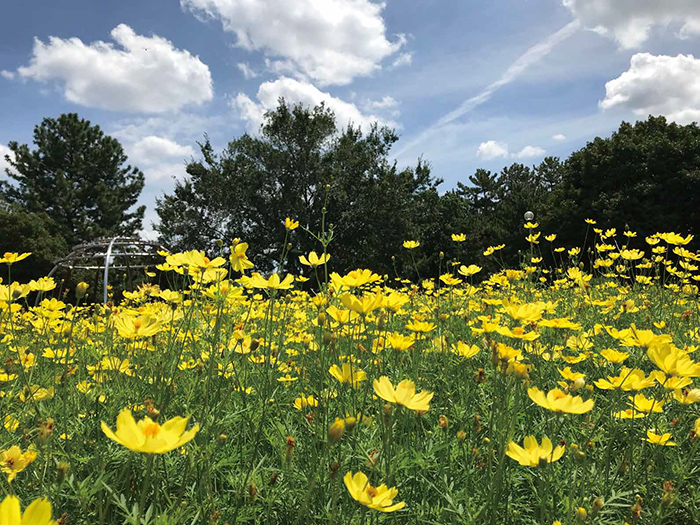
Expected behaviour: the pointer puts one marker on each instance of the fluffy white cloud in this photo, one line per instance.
(145, 74)
(491, 150)
(330, 41)
(9, 75)
(658, 85)
(559, 137)
(528, 152)
(630, 21)
(4, 165)
(297, 92)
(152, 149)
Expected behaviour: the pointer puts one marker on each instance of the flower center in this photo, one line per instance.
(152, 430)
(371, 491)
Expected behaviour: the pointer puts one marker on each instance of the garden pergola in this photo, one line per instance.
(111, 253)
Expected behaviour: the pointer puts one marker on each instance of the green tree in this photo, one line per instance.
(298, 165)
(21, 231)
(645, 175)
(77, 177)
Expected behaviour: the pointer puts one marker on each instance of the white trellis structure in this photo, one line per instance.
(111, 253)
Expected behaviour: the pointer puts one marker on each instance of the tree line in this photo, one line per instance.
(76, 185)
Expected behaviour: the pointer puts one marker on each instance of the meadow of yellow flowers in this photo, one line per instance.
(216, 395)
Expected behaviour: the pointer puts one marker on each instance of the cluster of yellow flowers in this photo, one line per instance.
(365, 356)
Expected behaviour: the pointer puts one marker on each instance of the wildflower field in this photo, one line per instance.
(540, 394)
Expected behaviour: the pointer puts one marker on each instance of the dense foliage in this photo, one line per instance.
(299, 166)
(646, 174)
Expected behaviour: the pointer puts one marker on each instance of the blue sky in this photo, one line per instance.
(467, 84)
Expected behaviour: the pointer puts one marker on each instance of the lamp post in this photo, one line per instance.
(529, 216)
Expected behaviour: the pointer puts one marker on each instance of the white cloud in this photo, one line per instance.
(658, 85)
(296, 92)
(4, 165)
(404, 59)
(629, 22)
(248, 72)
(559, 137)
(145, 74)
(330, 41)
(491, 150)
(385, 107)
(9, 75)
(153, 149)
(529, 152)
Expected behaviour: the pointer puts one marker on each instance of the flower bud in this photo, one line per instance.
(581, 514)
(81, 289)
(61, 471)
(337, 429)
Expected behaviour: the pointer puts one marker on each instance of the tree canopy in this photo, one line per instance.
(74, 186)
(300, 164)
(77, 176)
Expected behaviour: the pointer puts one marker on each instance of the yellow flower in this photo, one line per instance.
(37, 513)
(149, 436)
(378, 498)
(459, 237)
(13, 461)
(363, 305)
(404, 394)
(687, 397)
(550, 237)
(641, 403)
(11, 422)
(533, 238)
(468, 271)
(291, 224)
(533, 455)
(420, 326)
(337, 429)
(272, 283)
(557, 401)
(464, 350)
(673, 361)
(570, 375)
(11, 258)
(614, 356)
(411, 245)
(525, 313)
(300, 403)
(348, 374)
(238, 258)
(314, 260)
(628, 379)
(354, 279)
(663, 440)
(399, 342)
(670, 238)
(130, 327)
(450, 280)
(631, 255)
(36, 393)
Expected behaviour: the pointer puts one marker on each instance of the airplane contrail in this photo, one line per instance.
(533, 55)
